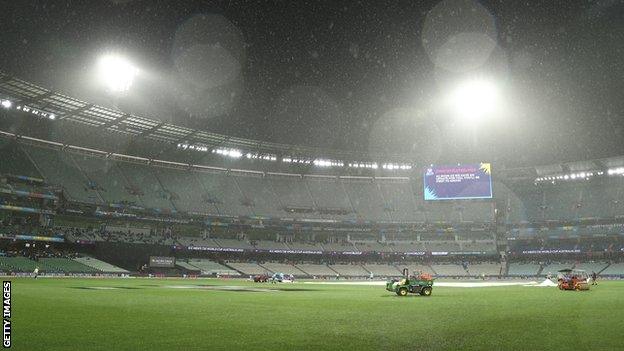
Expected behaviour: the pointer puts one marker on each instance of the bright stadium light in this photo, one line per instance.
(7, 103)
(116, 73)
(474, 100)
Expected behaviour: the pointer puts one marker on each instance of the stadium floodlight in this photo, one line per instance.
(116, 73)
(474, 99)
(7, 103)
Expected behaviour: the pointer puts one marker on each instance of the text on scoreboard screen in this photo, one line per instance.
(469, 181)
(162, 261)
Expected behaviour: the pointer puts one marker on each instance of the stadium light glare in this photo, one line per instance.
(116, 73)
(7, 103)
(474, 99)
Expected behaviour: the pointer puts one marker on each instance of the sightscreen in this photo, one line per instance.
(464, 181)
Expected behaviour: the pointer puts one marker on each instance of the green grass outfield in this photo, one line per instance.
(145, 314)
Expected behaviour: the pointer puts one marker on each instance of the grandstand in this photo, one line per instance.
(449, 270)
(283, 268)
(99, 265)
(206, 267)
(248, 268)
(65, 265)
(270, 245)
(20, 264)
(56, 265)
(614, 269)
(487, 269)
(420, 167)
(93, 180)
(233, 243)
(295, 245)
(316, 270)
(350, 270)
(519, 269)
(267, 210)
(590, 267)
(382, 270)
(553, 268)
(417, 268)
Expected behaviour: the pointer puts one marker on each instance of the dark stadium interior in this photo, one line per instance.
(321, 142)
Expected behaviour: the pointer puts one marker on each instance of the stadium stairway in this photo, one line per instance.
(283, 268)
(333, 270)
(86, 176)
(316, 270)
(539, 271)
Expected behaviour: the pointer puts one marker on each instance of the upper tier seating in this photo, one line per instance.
(295, 245)
(98, 180)
(339, 247)
(224, 193)
(233, 243)
(328, 194)
(15, 161)
(60, 168)
(143, 182)
(270, 245)
(366, 200)
(108, 177)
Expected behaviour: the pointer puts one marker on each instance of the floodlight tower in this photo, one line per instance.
(473, 101)
(116, 73)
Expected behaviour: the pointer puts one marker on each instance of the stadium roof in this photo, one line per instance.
(72, 110)
(69, 109)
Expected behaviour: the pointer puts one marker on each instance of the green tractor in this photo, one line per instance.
(421, 284)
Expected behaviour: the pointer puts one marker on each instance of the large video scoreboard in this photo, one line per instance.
(464, 181)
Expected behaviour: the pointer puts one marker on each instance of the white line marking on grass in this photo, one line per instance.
(220, 287)
(443, 284)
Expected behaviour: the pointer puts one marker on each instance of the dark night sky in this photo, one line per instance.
(345, 74)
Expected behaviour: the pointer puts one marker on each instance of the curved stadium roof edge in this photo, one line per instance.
(72, 110)
(166, 164)
(69, 109)
(514, 173)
